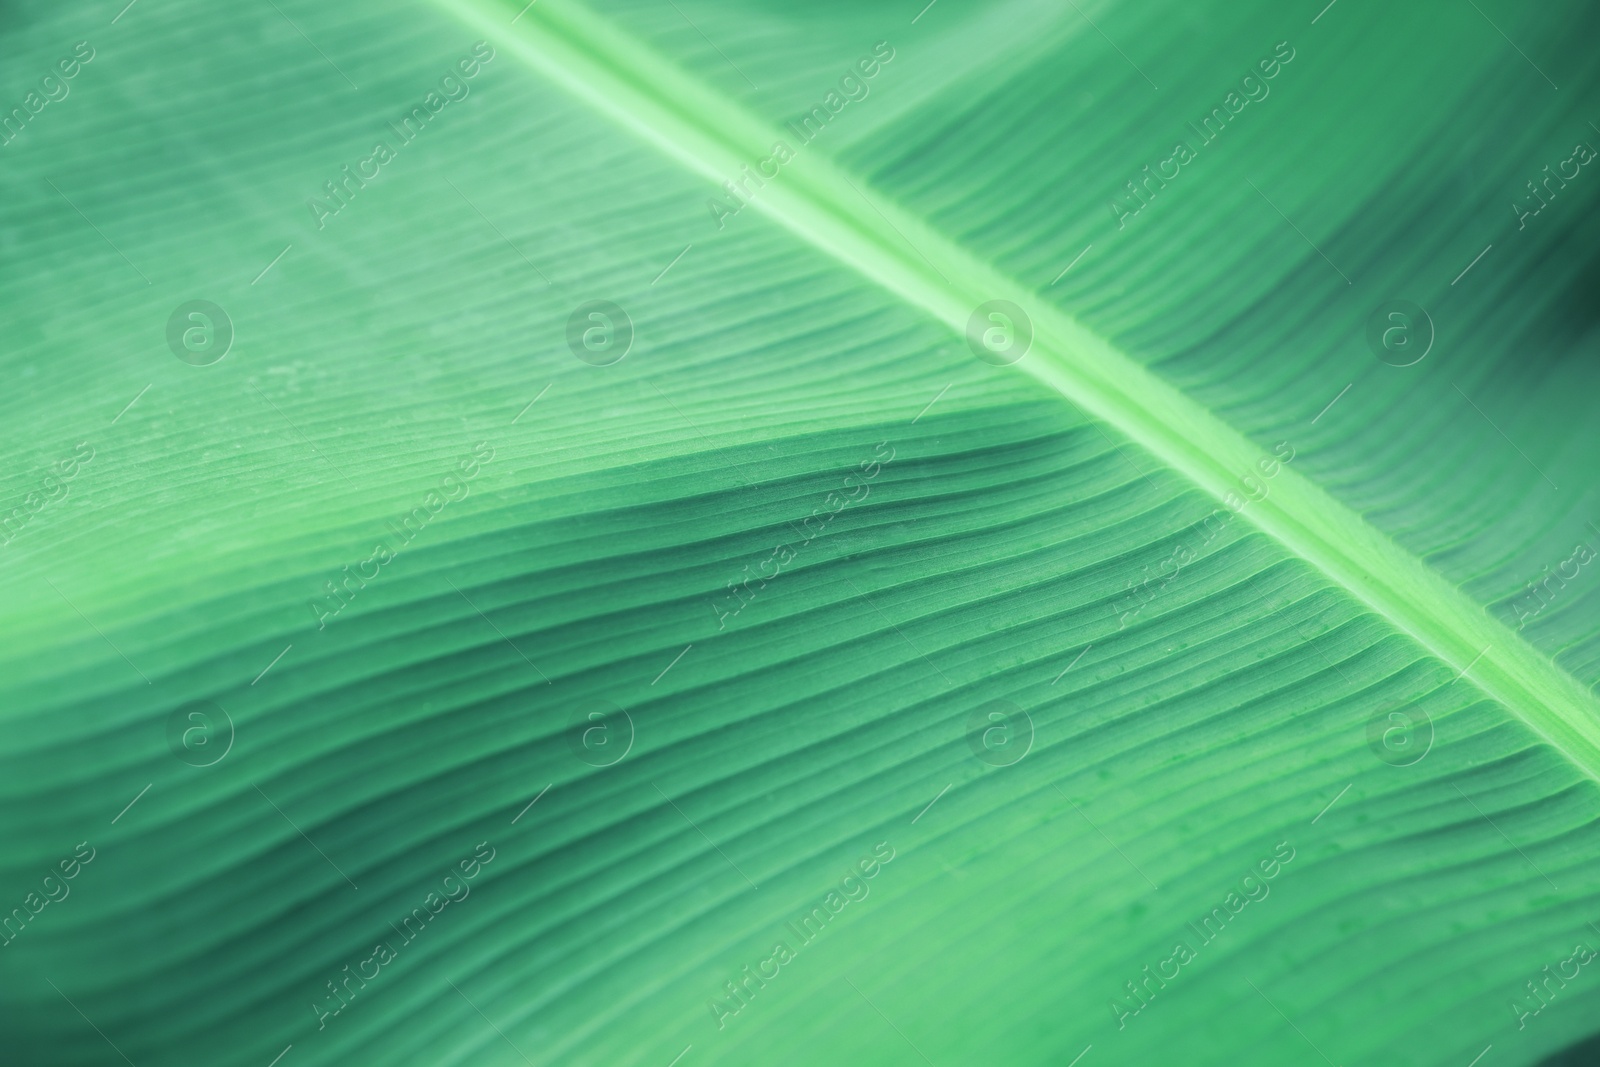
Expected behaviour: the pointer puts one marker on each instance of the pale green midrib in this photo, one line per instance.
(813, 199)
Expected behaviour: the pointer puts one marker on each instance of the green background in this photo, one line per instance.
(988, 561)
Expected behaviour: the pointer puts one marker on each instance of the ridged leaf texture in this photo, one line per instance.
(814, 683)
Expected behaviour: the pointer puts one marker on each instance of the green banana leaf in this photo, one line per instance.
(683, 533)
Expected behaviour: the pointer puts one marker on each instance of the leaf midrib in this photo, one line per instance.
(815, 200)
